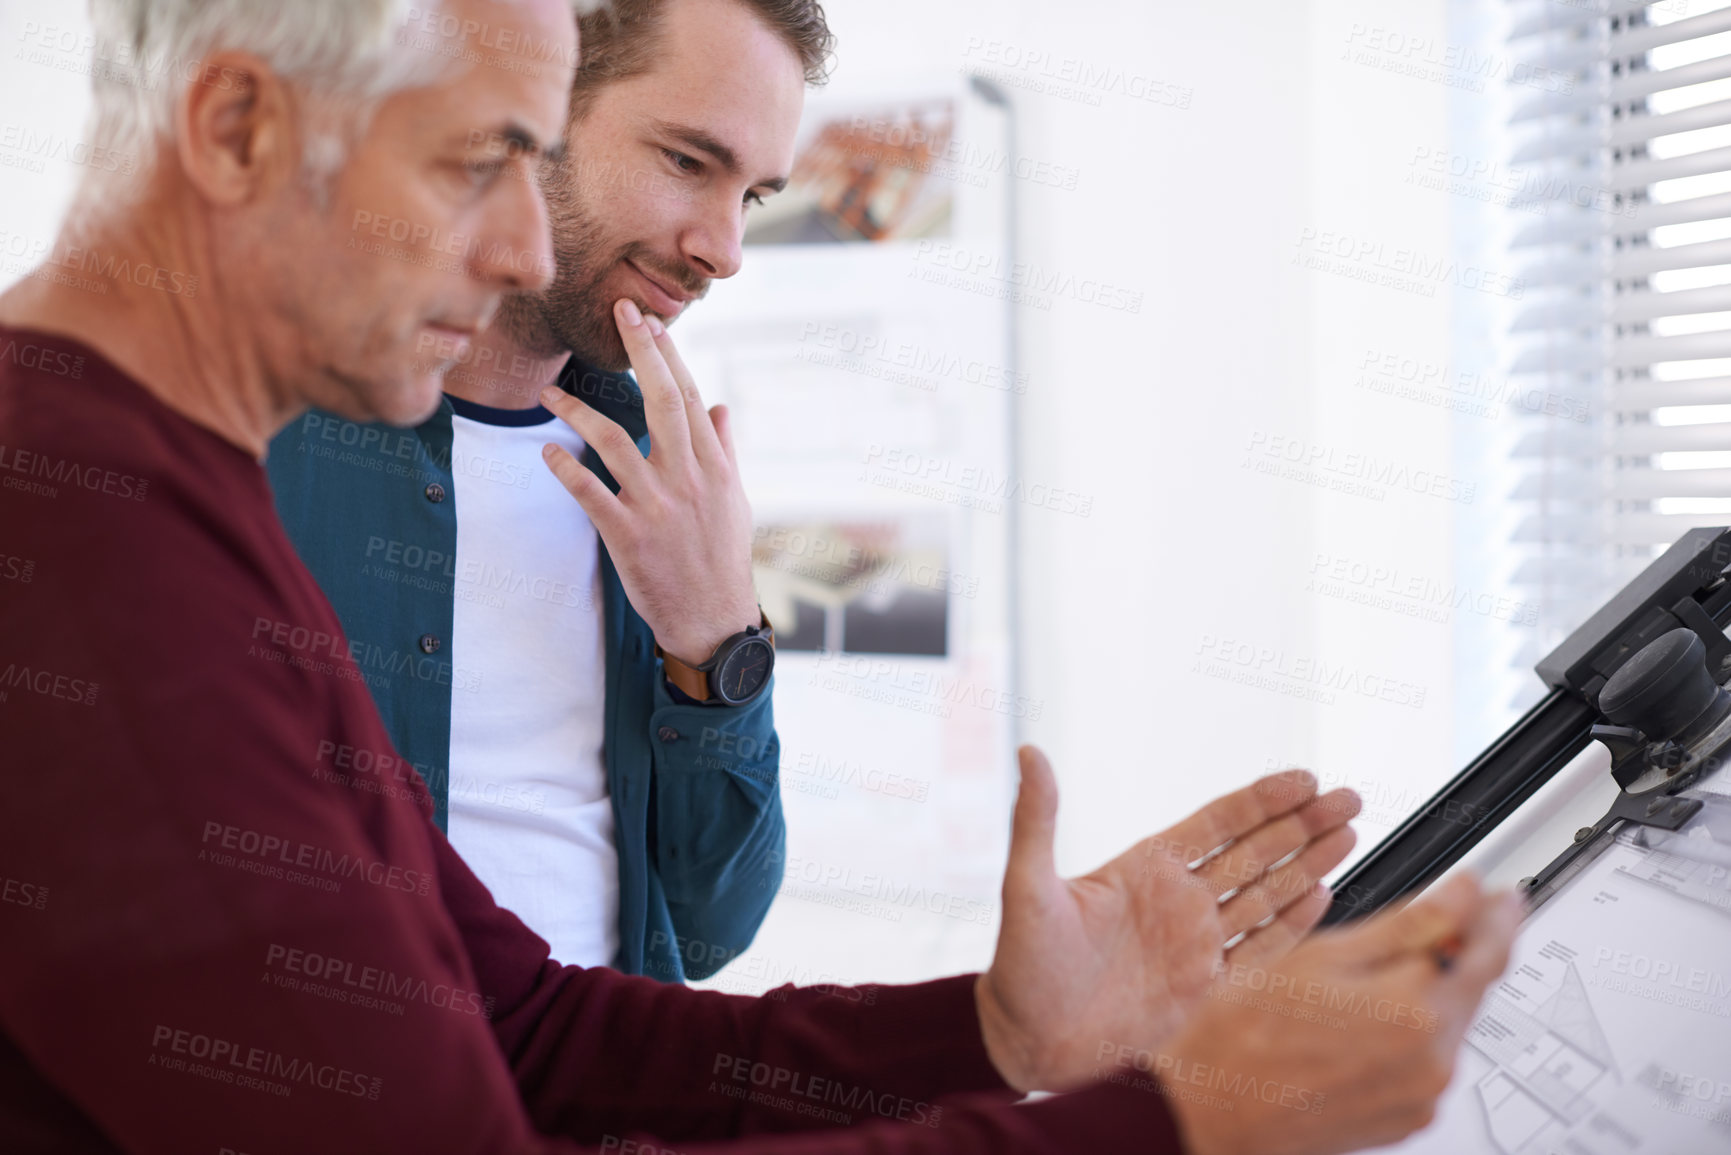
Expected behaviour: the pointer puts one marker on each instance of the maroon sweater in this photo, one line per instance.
(227, 923)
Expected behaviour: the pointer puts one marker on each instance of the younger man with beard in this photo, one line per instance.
(621, 800)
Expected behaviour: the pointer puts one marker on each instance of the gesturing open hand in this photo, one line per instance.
(1123, 955)
(679, 530)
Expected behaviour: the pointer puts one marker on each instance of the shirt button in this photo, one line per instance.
(667, 734)
(429, 644)
(435, 493)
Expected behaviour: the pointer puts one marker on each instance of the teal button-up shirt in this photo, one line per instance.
(695, 787)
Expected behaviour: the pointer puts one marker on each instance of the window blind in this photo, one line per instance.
(1619, 349)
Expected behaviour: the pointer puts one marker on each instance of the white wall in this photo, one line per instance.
(42, 112)
(1205, 208)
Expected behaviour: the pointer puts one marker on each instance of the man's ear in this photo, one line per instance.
(234, 129)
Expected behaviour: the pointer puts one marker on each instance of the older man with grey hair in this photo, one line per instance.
(228, 922)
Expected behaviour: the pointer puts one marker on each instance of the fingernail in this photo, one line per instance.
(548, 450)
(629, 309)
(549, 395)
(656, 328)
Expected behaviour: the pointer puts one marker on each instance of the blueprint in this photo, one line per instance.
(1611, 1032)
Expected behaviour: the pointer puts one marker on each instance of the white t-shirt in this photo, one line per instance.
(529, 808)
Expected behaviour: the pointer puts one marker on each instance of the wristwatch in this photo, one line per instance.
(736, 673)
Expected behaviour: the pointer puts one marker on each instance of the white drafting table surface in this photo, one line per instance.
(1611, 1031)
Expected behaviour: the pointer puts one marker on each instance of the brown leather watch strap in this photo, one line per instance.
(694, 682)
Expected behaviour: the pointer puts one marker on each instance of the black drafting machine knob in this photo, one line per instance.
(1665, 688)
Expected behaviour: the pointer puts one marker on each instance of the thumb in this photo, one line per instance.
(1035, 824)
(1421, 924)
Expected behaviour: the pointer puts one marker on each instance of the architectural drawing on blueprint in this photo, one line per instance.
(1550, 1062)
(1608, 1035)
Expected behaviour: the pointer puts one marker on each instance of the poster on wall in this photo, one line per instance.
(871, 175)
(860, 586)
(870, 387)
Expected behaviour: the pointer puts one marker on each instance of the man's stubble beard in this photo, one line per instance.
(570, 315)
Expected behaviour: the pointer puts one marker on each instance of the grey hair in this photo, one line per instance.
(346, 54)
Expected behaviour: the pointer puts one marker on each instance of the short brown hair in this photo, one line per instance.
(619, 40)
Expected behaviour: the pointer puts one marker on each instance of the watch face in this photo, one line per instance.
(745, 671)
